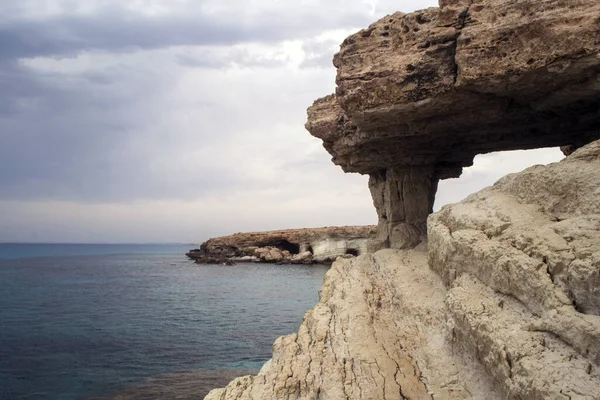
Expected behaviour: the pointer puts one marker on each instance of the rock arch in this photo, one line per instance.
(419, 95)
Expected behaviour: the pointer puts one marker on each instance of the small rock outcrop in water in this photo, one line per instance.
(419, 95)
(292, 246)
(505, 304)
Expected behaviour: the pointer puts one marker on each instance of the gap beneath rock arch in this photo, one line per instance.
(293, 248)
(487, 169)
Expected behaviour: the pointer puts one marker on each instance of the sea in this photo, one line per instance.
(99, 321)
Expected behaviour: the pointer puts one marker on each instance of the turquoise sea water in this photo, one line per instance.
(82, 321)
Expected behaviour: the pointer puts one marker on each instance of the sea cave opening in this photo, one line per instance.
(293, 248)
(353, 252)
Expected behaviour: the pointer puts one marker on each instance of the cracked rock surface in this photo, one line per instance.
(504, 304)
(366, 339)
(434, 88)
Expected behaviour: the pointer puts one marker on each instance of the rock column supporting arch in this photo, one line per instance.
(403, 197)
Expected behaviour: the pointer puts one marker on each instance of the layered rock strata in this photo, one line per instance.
(419, 95)
(504, 305)
(295, 246)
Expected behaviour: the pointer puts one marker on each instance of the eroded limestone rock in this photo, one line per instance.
(436, 87)
(365, 340)
(503, 306)
(403, 198)
(533, 237)
(543, 223)
(305, 256)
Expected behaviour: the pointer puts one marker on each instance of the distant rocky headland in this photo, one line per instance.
(498, 296)
(290, 246)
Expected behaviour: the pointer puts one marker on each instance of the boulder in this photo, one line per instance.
(301, 258)
(274, 255)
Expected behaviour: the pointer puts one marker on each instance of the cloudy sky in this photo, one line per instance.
(177, 120)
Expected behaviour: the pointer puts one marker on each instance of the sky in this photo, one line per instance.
(178, 120)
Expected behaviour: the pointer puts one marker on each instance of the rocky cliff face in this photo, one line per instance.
(504, 304)
(419, 95)
(302, 246)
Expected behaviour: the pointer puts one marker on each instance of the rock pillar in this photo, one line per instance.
(403, 197)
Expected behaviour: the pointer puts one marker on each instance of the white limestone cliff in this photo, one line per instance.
(504, 304)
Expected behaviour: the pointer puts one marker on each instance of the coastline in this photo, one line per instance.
(291, 246)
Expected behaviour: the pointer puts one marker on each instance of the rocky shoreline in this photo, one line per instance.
(504, 304)
(290, 246)
(495, 297)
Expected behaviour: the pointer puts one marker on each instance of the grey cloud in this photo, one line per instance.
(114, 32)
(319, 53)
(60, 133)
(318, 47)
(319, 61)
(199, 61)
(77, 140)
(107, 134)
(114, 28)
(224, 59)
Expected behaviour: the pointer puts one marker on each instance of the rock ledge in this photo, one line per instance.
(420, 95)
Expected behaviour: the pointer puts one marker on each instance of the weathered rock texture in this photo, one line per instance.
(302, 246)
(505, 304)
(419, 95)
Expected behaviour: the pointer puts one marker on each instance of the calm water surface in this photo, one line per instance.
(82, 321)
